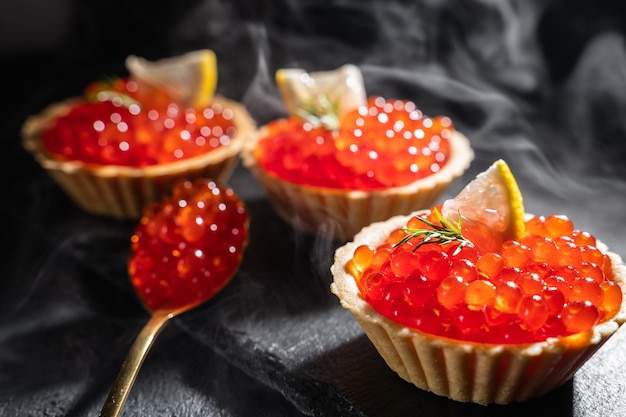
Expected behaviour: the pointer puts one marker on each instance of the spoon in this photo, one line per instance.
(184, 250)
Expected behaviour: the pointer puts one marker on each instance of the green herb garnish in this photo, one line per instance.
(447, 231)
(320, 111)
(106, 90)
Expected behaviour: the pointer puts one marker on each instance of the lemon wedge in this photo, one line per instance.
(189, 79)
(321, 93)
(493, 199)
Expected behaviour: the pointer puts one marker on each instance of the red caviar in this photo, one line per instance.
(386, 143)
(112, 128)
(522, 293)
(185, 249)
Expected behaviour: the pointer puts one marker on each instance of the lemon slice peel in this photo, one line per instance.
(516, 200)
(321, 97)
(189, 79)
(493, 198)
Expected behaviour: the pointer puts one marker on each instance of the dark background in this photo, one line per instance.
(541, 84)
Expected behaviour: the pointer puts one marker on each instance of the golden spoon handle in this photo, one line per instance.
(130, 368)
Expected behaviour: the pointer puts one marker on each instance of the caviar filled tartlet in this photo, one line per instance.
(476, 300)
(125, 141)
(342, 160)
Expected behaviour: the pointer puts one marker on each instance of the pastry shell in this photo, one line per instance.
(467, 371)
(122, 192)
(340, 214)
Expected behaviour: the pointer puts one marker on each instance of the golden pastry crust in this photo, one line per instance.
(467, 371)
(342, 213)
(120, 191)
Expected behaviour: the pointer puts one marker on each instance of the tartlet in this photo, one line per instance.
(332, 101)
(122, 190)
(463, 366)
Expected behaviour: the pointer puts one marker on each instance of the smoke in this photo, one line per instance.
(490, 66)
(593, 101)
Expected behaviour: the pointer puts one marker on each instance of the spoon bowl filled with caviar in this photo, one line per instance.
(184, 250)
(478, 301)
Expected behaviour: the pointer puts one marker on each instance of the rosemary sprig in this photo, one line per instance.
(105, 90)
(320, 111)
(447, 231)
